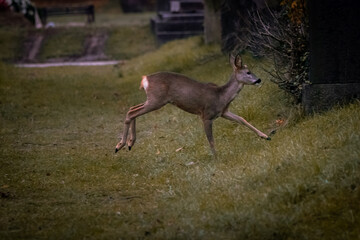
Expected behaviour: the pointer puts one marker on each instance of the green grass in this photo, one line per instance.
(122, 43)
(59, 177)
(128, 36)
(109, 13)
(104, 19)
(63, 42)
(130, 41)
(10, 42)
(128, 19)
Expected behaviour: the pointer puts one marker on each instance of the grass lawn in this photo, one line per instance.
(123, 42)
(10, 42)
(129, 41)
(63, 42)
(60, 177)
(127, 36)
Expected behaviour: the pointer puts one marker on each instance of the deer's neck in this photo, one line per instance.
(230, 90)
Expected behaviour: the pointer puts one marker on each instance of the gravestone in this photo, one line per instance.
(334, 54)
(162, 5)
(178, 19)
(137, 5)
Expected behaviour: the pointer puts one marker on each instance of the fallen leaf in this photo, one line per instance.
(179, 149)
(280, 122)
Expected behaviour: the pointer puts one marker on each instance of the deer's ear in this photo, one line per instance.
(238, 62)
(235, 62)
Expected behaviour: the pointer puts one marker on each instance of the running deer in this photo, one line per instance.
(207, 100)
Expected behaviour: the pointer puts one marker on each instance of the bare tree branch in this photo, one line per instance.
(271, 34)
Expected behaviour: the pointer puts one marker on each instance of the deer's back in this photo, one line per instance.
(182, 91)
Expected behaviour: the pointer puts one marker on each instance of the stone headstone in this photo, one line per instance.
(178, 19)
(334, 54)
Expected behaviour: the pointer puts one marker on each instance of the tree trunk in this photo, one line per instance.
(212, 24)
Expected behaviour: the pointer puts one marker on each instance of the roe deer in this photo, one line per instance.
(207, 100)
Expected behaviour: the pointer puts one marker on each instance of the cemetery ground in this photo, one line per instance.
(60, 177)
(71, 40)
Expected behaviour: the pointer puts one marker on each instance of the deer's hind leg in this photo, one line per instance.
(129, 124)
(131, 115)
(132, 138)
(137, 106)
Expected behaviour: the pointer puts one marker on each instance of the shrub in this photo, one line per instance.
(280, 34)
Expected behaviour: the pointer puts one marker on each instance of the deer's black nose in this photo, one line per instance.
(258, 81)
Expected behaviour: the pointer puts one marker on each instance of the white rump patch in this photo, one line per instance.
(144, 83)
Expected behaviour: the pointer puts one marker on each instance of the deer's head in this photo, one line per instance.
(241, 72)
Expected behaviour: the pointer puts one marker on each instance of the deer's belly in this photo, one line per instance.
(190, 108)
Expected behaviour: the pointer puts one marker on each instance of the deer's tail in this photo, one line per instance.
(144, 83)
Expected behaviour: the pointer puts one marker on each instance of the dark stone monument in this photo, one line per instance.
(137, 5)
(335, 54)
(178, 19)
(162, 5)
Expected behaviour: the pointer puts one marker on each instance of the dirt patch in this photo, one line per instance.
(94, 48)
(32, 45)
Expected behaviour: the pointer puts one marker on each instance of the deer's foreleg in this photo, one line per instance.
(233, 117)
(209, 134)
